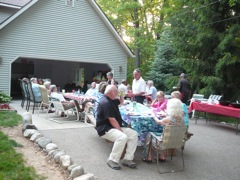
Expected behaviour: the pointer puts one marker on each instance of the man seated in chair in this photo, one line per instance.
(66, 104)
(109, 127)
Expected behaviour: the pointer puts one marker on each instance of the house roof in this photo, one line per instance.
(26, 4)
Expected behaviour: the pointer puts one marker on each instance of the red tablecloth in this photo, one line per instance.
(215, 109)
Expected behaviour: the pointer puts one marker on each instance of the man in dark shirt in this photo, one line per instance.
(109, 126)
(184, 88)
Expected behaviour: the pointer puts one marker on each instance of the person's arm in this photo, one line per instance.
(164, 121)
(121, 97)
(114, 123)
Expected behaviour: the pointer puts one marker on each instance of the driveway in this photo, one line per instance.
(213, 152)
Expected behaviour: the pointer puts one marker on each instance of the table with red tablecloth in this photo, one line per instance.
(216, 109)
(79, 97)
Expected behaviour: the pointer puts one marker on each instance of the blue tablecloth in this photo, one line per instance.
(142, 122)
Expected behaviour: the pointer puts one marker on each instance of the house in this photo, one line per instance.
(63, 40)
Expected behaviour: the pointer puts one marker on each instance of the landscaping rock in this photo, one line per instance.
(58, 155)
(52, 153)
(43, 142)
(28, 126)
(70, 168)
(66, 161)
(36, 136)
(26, 118)
(76, 171)
(87, 176)
(50, 147)
(29, 132)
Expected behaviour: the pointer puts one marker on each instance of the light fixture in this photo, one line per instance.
(120, 69)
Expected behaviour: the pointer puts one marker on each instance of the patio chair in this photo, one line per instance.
(31, 97)
(58, 106)
(23, 86)
(45, 100)
(173, 137)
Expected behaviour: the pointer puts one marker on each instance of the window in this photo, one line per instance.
(69, 3)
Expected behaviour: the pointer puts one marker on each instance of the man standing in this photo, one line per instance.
(138, 86)
(184, 88)
(109, 126)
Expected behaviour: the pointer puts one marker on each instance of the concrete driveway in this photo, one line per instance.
(212, 153)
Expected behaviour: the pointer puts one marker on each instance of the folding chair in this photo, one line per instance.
(58, 106)
(173, 137)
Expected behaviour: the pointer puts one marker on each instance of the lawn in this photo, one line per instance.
(12, 163)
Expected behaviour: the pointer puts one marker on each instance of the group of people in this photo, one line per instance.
(110, 124)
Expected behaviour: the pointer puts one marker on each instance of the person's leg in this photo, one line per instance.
(120, 139)
(132, 140)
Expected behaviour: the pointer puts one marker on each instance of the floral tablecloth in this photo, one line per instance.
(140, 120)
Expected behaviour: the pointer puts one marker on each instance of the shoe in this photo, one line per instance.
(63, 115)
(113, 165)
(146, 160)
(129, 163)
(50, 111)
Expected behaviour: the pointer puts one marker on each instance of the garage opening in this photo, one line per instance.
(66, 75)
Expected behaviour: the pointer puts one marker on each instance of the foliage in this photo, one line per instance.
(206, 41)
(163, 69)
(9, 118)
(137, 20)
(4, 98)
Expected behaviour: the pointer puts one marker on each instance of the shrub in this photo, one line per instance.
(4, 98)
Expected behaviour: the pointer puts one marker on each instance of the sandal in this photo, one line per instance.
(146, 160)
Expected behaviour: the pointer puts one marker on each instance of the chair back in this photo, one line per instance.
(45, 98)
(173, 137)
(30, 91)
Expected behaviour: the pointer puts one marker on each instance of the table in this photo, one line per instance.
(142, 122)
(79, 97)
(216, 109)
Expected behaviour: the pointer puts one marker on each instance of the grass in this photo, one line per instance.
(12, 163)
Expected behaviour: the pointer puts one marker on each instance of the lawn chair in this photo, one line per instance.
(58, 106)
(173, 137)
(45, 100)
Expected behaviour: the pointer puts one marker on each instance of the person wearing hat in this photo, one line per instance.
(110, 79)
(184, 88)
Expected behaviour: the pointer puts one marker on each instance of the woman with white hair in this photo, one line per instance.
(174, 116)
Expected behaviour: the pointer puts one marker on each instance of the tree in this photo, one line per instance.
(137, 20)
(206, 40)
(163, 69)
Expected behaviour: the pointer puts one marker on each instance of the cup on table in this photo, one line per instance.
(63, 91)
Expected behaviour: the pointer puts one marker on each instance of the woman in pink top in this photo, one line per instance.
(160, 103)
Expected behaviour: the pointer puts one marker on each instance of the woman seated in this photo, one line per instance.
(174, 116)
(160, 103)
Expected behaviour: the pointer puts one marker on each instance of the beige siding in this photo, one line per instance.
(51, 30)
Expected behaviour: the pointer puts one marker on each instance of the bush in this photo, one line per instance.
(4, 98)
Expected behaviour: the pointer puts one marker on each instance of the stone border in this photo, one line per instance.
(53, 154)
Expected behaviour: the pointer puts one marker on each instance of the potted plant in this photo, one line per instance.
(4, 100)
